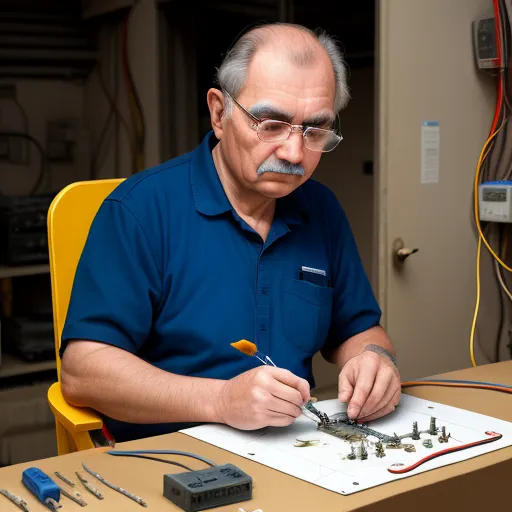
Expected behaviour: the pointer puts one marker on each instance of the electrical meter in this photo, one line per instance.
(495, 201)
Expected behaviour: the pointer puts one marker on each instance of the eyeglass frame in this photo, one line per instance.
(293, 127)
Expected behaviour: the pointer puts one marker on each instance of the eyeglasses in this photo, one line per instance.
(270, 130)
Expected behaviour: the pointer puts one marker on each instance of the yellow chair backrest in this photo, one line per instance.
(69, 219)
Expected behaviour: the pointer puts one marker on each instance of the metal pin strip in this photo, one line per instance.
(133, 497)
(64, 479)
(89, 487)
(76, 499)
(19, 502)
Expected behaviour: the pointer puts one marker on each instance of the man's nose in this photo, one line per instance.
(292, 149)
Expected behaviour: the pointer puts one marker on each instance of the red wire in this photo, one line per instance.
(494, 436)
(499, 99)
(455, 385)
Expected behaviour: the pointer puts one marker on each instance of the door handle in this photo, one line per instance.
(404, 253)
(400, 252)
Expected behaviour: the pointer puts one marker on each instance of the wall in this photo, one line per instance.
(342, 171)
(43, 100)
(429, 300)
(143, 51)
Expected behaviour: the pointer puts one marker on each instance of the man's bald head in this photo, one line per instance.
(301, 46)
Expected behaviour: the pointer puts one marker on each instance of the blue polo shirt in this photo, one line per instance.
(172, 274)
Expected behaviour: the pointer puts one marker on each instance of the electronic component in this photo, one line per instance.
(138, 500)
(42, 487)
(64, 479)
(495, 201)
(88, 486)
(484, 43)
(77, 498)
(208, 488)
(19, 502)
(23, 229)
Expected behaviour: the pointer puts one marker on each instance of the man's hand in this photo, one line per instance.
(371, 385)
(264, 396)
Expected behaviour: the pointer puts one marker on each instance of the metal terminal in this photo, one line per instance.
(427, 443)
(64, 479)
(52, 504)
(379, 450)
(311, 412)
(133, 497)
(19, 502)
(89, 487)
(443, 438)
(73, 497)
(302, 443)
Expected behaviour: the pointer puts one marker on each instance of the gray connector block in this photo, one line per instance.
(208, 488)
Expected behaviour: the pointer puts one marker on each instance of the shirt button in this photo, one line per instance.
(263, 327)
(264, 290)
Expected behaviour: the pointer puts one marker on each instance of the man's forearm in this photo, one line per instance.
(124, 387)
(357, 344)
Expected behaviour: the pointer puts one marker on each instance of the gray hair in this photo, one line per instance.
(232, 73)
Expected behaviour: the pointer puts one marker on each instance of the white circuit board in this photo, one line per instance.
(324, 461)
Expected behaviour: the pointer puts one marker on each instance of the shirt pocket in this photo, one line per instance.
(307, 310)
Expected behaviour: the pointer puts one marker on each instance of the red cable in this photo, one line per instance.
(455, 385)
(494, 436)
(499, 99)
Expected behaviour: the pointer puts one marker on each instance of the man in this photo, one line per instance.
(232, 241)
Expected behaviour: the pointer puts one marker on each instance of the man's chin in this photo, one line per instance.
(274, 189)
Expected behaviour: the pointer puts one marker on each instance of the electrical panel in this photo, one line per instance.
(495, 201)
(484, 43)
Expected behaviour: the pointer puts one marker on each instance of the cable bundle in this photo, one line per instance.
(488, 169)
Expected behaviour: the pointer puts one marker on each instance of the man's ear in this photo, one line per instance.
(216, 104)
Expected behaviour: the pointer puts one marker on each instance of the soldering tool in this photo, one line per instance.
(42, 487)
(249, 348)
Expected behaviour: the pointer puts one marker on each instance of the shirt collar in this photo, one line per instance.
(210, 198)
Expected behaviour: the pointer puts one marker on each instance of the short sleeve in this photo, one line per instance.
(117, 284)
(355, 308)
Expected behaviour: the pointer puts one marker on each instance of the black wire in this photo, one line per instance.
(95, 164)
(43, 162)
(140, 137)
(501, 323)
(117, 65)
(174, 463)
(503, 136)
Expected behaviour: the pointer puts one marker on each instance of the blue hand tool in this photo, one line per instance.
(43, 487)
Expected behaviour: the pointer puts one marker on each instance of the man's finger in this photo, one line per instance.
(279, 420)
(362, 389)
(388, 408)
(286, 393)
(281, 406)
(345, 387)
(289, 379)
(377, 399)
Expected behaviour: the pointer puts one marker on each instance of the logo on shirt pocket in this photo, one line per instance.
(307, 310)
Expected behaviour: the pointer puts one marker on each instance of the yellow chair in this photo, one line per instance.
(69, 219)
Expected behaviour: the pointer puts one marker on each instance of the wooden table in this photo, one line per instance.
(475, 484)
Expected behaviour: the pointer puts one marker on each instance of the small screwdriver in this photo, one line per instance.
(43, 487)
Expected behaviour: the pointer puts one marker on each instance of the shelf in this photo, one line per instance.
(23, 270)
(11, 366)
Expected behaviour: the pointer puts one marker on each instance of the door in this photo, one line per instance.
(426, 75)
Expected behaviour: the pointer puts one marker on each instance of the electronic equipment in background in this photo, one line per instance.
(23, 231)
(495, 201)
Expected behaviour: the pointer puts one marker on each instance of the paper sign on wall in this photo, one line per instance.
(430, 152)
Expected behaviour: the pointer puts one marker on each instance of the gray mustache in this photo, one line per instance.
(280, 167)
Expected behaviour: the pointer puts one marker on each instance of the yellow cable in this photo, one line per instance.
(477, 305)
(483, 154)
